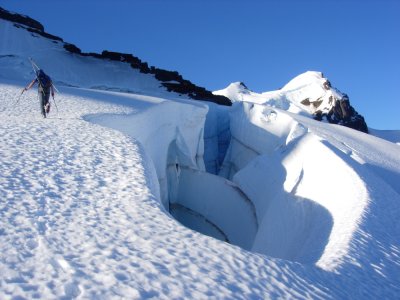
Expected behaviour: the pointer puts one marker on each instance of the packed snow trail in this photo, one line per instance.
(81, 217)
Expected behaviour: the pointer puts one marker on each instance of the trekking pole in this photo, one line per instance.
(55, 87)
(55, 104)
(19, 97)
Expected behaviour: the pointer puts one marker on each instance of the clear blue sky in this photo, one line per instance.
(356, 44)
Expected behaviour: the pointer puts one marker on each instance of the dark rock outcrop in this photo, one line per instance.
(28, 23)
(171, 80)
(342, 113)
(72, 48)
(330, 104)
(21, 19)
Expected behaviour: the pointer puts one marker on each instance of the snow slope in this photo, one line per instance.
(82, 215)
(389, 135)
(88, 196)
(65, 68)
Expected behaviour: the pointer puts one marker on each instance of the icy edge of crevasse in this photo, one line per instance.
(171, 134)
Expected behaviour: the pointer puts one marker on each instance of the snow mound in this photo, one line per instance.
(236, 91)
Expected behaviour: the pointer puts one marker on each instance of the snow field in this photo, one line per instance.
(58, 180)
(81, 218)
(389, 135)
(302, 222)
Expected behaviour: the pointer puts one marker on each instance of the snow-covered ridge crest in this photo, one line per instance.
(309, 93)
(235, 91)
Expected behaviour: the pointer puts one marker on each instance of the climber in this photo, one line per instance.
(45, 87)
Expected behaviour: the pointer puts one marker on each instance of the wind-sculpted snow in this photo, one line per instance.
(207, 195)
(88, 195)
(254, 131)
(81, 213)
(173, 135)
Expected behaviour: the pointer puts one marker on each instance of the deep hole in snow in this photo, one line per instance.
(253, 202)
(204, 201)
(288, 226)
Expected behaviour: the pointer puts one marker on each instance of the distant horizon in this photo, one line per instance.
(263, 44)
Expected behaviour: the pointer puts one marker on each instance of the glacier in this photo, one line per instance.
(281, 205)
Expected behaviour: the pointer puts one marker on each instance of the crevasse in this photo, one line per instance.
(246, 175)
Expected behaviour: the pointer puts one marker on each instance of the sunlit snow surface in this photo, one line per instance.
(81, 215)
(84, 193)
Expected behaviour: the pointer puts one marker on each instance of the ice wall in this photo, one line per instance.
(216, 136)
(215, 206)
(256, 129)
